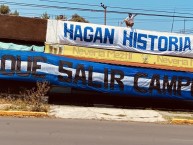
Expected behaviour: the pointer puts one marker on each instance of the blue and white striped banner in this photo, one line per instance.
(112, 79)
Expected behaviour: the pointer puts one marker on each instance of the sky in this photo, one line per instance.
(154, 15)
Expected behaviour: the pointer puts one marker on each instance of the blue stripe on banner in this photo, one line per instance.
(62, 71)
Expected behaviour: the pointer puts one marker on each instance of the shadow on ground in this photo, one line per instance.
(88, 98)
(67, 96)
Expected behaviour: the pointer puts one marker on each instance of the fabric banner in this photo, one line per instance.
(112, 79)
(122, 57)
(119, 38)
(13, 46)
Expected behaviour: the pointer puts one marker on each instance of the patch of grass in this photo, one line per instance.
(168, 118)
(183, 117)
(34, 99)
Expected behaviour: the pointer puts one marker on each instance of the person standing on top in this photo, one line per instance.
(129, 21)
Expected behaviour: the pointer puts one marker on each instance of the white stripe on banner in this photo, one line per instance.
(53, 70)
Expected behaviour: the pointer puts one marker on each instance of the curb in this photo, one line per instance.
(182, 121)
(23, 113)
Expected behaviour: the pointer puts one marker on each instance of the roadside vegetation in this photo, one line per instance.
(34, 99)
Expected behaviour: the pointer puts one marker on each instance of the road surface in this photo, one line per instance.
(33, 131)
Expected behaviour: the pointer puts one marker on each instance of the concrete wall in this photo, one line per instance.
(22, 29)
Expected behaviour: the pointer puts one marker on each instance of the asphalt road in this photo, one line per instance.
(32, 131)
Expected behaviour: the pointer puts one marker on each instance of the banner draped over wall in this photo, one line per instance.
(59, 70)
(13, 46)
(122, 57)
(119, 38)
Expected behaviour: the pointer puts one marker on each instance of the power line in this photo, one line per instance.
(91, 10)
(146, 10)
(81, 4)
(27, 9)
(108, 18)
(47, 6)
(114, 18)
(100, 18)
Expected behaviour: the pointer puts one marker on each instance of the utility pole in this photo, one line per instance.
(173, 21)
(105, 12)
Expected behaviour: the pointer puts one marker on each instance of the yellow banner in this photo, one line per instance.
(119, 57)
